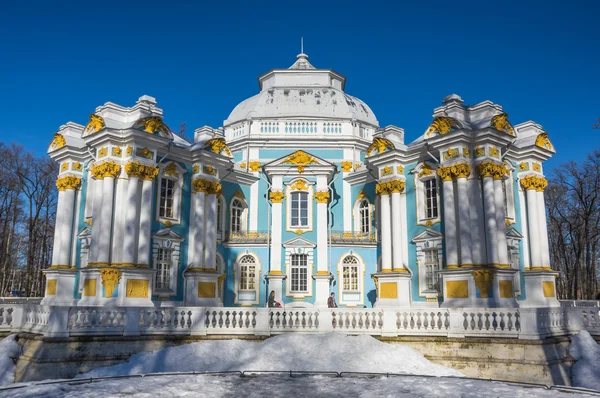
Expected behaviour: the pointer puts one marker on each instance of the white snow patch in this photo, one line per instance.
(586, 371)
(301, 352)
(9, 352)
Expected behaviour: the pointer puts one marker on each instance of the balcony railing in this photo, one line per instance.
(353, 237)
(248, 237)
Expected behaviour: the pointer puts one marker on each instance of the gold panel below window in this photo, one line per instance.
(548, 289)
(89, 287)
(389, 290)
(51, 287)
(206, 290)
(137, 288)
(506, 288)
(457, 289)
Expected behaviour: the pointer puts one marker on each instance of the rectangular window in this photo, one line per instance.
(167, 189)
(431, 205)
(431, 269)
(350, 278)
(299, 273)
(248, 277)
(163, 269)
(299, 209)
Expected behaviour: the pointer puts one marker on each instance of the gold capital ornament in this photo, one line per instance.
(105, 169)
(276, 196)
(322, 196)
(68, 182)
(461, 170)
(346, 167)
(534, 182)
(201, 185)
(445, 173)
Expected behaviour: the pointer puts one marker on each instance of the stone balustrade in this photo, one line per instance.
(518, 323)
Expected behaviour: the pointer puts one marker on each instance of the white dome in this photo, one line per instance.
(302, 92)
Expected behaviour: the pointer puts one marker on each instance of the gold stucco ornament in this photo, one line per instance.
(380, 145)
(346, 166)
(534, 182)
(299, 185)
(543, 141)
(322, 196)
(445, 173)
(110, 280)
(105, 169)
(95, 124)
(483, 281)
(57, 142)
(171, 170)
(201, 185)
(68, 182)
(461, 170)
(442, 125)
(152, 125)
(500, 122)
(300, 159)
(276, 196)
(254, 166)
(479, 151)
(218, 146)
(450, 153)
(524, 166)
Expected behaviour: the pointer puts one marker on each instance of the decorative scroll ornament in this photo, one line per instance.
(361, 195)
(500, 122)
(483, 281)
(209, 170)
(110, 280)
(479, 151)
(346, 167)
(322, 196)
(442, 125)
(68, 182)
(57, 142)
(129, 150)
(524, 166)
(543, 141)
(116, 151)
(254, 166)
(218, 145)
(451, 153)
(64, 166)
(77, 166)
(276, 196)
(239, 194)
(171, 170)
(425, 171)
(195, 169)
(461, 170)
(299, 185)
(103, 152)
(466, 152)
(201, 185)
(445, 173)
(400, 170)
(152, 125)
(537, 167)
(300, 159)
(534, 183)
(387, 170)
(145, 153)
(380, 145)
(494, 152)
(105, 169)
(95, 124)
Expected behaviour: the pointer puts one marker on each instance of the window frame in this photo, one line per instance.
(171, 171)
(159, 262)
(299, 245)
(168, 240)
(432, 241)
(351, 297)
(423, 173)
(246, 296)
(243, 225)
(300, 185)
(302, 265)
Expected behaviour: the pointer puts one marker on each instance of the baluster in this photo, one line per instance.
(510, 321)
(487, 322)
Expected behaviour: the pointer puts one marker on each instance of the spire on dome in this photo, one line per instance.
(302, 62)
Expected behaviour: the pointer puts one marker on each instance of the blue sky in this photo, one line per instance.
(538, 59)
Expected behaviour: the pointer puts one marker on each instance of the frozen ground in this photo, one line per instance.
(9, 351)
(299, 352)
(586, 371)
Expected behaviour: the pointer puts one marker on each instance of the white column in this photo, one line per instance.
(386, 233)
(404, 235)
(533, 229)
(397, 245)
(96, 222)
(106, 213)
(464, 221)
(58, 228)
(118, 229)
(544, 245)
(276, 222)
(450, 237)
(500, 221)
(322, 260)
(66, 227)
(489, 211)
(198, 229)
(210, 243)
(253, 216)
(145, 230)
(478, 249)
(131, 222)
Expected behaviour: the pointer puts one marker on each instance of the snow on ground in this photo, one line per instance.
(9, 352)
(332, 352)
(586, 371)
(285, 386)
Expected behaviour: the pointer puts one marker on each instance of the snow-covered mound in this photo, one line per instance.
(302, 352)
(586, 371)
(9, 352)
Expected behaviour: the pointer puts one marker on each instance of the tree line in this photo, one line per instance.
(28, 199)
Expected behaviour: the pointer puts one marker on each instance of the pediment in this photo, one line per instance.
(299, 242)
(514, 234)
(428, 234)
(167, 233)
(300, 159)
(87, 231)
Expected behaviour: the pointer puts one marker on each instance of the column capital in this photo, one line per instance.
(215, 188)
(201, 185)
(388, 187)
(136, 169)
(105, 169)
(492, 169)
(322, 196)
(533, 182)
(461, 170)
(276, 196)
(445, 173)
(68, 182)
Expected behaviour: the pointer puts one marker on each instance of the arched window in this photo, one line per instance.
(350, 267)
(237, 216)
(364, 216)
(247, 272)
